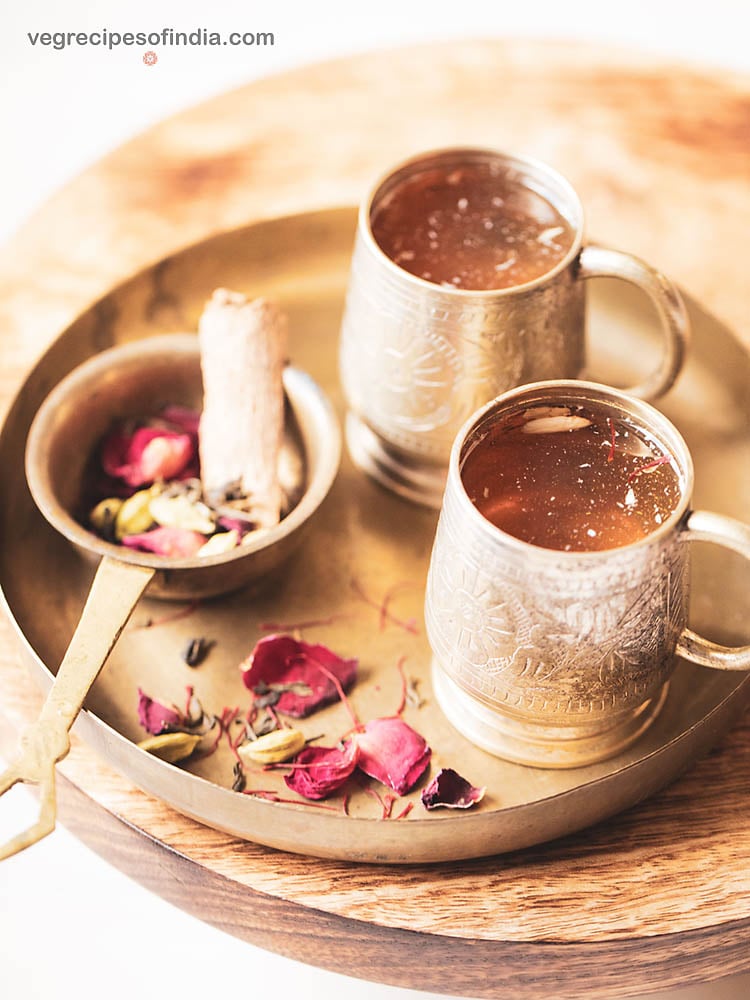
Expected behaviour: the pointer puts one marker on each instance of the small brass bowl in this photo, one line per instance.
(134, 380)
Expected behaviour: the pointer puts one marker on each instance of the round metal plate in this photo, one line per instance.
(366, 546)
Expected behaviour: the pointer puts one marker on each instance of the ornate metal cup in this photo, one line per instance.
(554, 658)
(417, 358)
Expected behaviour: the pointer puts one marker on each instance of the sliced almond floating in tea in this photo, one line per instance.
(555, 425)
(243, 347)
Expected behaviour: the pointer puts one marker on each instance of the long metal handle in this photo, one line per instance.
(702, 526)
(115, 592)
(600, 262)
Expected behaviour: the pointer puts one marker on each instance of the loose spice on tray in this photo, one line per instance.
(289, 677)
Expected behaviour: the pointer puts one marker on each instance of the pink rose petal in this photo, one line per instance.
(320, 771)
(176, 543)
(392, 752)
(238, 524)
(165, 456)
(155, 717)
(182, 417)
(146, 455)
(450, 790)
(191, 471)
(280, 659)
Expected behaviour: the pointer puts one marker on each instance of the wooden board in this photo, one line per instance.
(659, 154)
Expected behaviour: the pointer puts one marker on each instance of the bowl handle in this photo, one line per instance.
(115, 592)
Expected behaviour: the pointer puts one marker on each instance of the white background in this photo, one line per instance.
(71, 926)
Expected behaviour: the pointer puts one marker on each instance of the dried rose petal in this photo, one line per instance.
(191, 471)
(147, 454)
(165, 456)
(320, 771)
(392, 752)
(449, 789)
(155, 717)
(280, 659)
(182, 417)
(176, 543)
(239, 524)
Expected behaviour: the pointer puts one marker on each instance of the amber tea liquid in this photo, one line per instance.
(574, 478)
(475, 226)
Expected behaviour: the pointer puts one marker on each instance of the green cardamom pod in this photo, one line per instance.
(171, 747)
(274, 747)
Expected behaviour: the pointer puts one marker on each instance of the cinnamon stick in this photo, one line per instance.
(243, 350)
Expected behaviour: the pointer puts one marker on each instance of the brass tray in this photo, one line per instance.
(366, 546)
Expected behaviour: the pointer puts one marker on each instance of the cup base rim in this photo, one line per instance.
(422, 483)
(549, 747)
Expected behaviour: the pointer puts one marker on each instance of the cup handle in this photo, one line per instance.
(600, 262)
(702, 526)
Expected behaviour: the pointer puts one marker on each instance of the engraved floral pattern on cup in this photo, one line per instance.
(514, 637)
(415, 383)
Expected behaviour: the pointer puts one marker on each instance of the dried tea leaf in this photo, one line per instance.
(172, 747)
(412, 697)
(196, 650)
(239, 783)
(190, 488)
(268, 724)
(273, 748)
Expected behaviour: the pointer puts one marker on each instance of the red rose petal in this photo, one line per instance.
(165, 457)
(450, 790)
(176, 543)
(392, 752)
(155, 717)
(114, 453)
(320, 771)
(182, 417)
(280, 659)
(238, 524)
(146, 455)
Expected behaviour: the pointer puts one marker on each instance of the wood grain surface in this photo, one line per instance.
(656, 898)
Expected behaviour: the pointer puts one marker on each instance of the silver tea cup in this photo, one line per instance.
(555, 658)
(417, 358)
